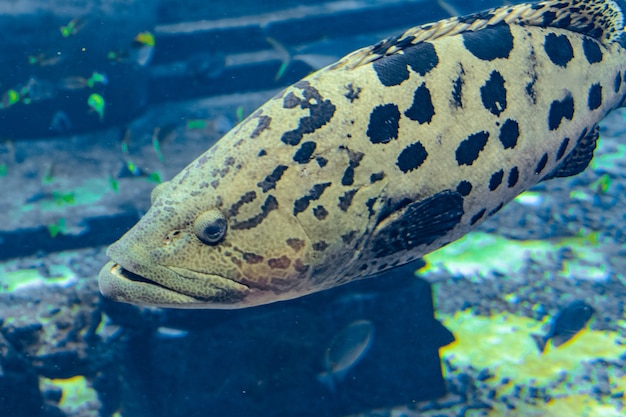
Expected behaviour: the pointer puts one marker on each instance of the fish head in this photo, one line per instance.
(204, 246)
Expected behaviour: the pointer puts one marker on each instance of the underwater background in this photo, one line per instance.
(102, 100)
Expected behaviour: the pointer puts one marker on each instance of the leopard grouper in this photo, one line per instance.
(386, 155)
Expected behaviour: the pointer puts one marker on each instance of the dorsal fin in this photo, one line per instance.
(600, 19)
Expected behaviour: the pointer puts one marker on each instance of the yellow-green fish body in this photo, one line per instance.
(388, 154)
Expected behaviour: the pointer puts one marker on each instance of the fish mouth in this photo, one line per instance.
(119, 283)
(120, 272)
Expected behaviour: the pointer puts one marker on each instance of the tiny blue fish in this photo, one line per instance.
(565, 324)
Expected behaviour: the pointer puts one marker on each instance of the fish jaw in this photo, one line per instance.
(125, 279)
(119, 284)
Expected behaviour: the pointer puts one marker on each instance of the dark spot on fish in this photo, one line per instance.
(353, 93)
(548, 18)
(348, 237)
(513, 177)
(304, 152)
(270, 181)
(279, 263)
(229, 161)
(320, 112)
(592, 50)
(509, 133)
(236, 261)
(412, 157)
(204, 159)
(476, 217)
(530, 89)
(370, 206)
(457, 90)
(262, 152)
(464, 188)
(559, 49)
(562, 149)
(559, 110)
(468, 150)
(377, 176)
(224, 171)
(204, 184)
(594, 100)
(320, 212)
(493, 93)
(384, 123)
(299, 266)
(392, 70)
(263, 123)
(252, 258)
(314, 193)
(345, 201)
(618, 82)
(355, 160)
(321, 161)
(541, 164)
(270, 204)
(489, 43)
(564, 22)
(422, 108)
(244, 199)
(295, 244)
(422, 58)
(348, 176)
(495, 210)
(496, 180)
(320, 246)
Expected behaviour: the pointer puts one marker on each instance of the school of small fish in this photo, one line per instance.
(386, 155)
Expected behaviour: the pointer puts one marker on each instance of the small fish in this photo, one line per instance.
(60, 122)
(284, 56)
(390, 153)
(140, 52)
(160, 136)
(565, 324)
(170, 333)
(96, 103)
(130, 169)
(35, 90)
(73, 27)
(145, 39)
(46, 59)
(346, 349)
(79, 83)
(9, 98)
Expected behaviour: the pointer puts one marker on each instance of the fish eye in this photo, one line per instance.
(156, 192)
(210, 227)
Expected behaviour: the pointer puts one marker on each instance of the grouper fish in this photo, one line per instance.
(380, 158)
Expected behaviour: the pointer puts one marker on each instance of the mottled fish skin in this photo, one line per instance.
(388, 154)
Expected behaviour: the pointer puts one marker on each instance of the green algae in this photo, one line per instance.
(21, 278)
(477, 254)
(503, 344)
(77, 393)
